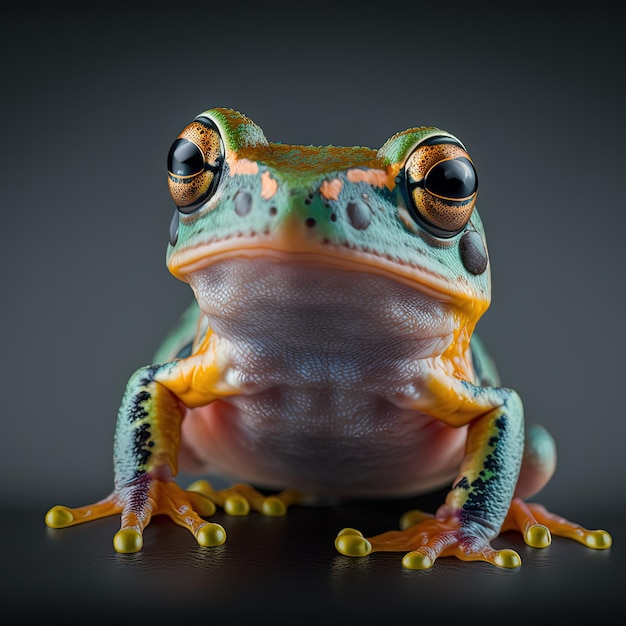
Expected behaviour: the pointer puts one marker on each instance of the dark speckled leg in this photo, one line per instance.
(474, 508)
(147, 440)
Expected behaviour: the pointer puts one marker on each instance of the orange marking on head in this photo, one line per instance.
(376, 178)
(243, 166)
(330, 189)
(268, 186)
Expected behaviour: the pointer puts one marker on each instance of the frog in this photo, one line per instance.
(329, 352)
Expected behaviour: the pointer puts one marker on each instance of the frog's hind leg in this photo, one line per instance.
(534, 521)
(538, 461)
(240, 498)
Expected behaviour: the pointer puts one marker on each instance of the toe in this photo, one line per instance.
(127, 541)
(59, 517)
(211, 535)
(351, 542)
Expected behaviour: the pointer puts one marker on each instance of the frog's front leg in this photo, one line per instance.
(147, 441)
(147, 444)
(477, 504)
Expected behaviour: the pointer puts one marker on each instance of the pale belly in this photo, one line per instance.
(323, 442)
(320, 356)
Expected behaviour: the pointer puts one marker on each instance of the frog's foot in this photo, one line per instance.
(240, 498)
(425, 538)
(62, 516)
(137, 502)
(537, 525)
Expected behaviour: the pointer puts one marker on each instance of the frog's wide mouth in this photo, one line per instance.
(184, 263)
(320, 310)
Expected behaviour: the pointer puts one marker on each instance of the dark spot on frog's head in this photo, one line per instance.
(243, 203)
(310, 222)
(473, 252)
(359, 214)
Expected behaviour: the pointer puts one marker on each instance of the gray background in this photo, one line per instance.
(93, 98)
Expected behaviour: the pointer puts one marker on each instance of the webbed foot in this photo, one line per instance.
(425, 541)
(425, 538)
(137, 502)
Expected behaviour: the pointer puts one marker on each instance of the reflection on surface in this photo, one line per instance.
(288, 566)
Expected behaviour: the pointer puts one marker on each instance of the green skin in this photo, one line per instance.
(337, 290)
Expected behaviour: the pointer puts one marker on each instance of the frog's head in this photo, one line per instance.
(405, 212)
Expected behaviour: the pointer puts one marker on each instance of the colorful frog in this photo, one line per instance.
(329, 351)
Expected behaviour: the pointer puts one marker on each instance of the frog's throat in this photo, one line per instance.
(459, 293)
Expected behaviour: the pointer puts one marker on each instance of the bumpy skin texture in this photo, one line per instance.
(329, 350)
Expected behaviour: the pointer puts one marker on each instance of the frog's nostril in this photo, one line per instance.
(359, 214)
(243, 203)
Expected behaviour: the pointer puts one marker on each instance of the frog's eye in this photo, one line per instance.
(194, 164)
(442, 185)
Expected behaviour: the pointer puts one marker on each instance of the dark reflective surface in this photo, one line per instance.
(286, 569)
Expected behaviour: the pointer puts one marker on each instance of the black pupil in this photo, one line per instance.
(454, 179)
(184, 158)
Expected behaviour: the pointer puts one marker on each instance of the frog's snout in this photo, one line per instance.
(320, 213)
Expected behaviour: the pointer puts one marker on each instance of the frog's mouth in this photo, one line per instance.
(184, 264)
(320, 309)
